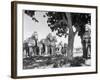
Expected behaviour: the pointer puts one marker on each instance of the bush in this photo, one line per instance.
(77, 61)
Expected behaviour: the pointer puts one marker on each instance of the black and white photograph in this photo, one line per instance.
(53, 39)
(56, 39)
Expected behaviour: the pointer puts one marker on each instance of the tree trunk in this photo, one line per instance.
(70, 46)
(70, 37)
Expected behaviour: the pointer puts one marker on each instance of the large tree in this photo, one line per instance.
(63, 22)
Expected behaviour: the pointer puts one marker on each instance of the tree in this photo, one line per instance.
(63, 22)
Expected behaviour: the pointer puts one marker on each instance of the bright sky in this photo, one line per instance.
(29, 26)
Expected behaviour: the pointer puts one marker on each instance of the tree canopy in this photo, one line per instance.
(57, 21)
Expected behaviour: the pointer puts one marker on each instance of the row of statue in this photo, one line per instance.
(47, 46)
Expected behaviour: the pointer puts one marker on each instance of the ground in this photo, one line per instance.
(53, 61)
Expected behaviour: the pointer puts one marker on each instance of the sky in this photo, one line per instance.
(29, 26)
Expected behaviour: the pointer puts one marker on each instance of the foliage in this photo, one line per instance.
(57, 21)
(31, 13)
(77, 61)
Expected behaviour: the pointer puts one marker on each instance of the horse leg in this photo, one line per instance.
(27, 51)
(46, 50)
(39, 50)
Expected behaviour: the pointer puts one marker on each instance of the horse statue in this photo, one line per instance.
(50, 42)
(30, 45)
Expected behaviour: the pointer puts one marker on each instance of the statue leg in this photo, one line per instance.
(46, 50)
(39, 50)
(52, 50)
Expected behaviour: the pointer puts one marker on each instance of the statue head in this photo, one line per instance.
(50, 37)
(35, 35)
